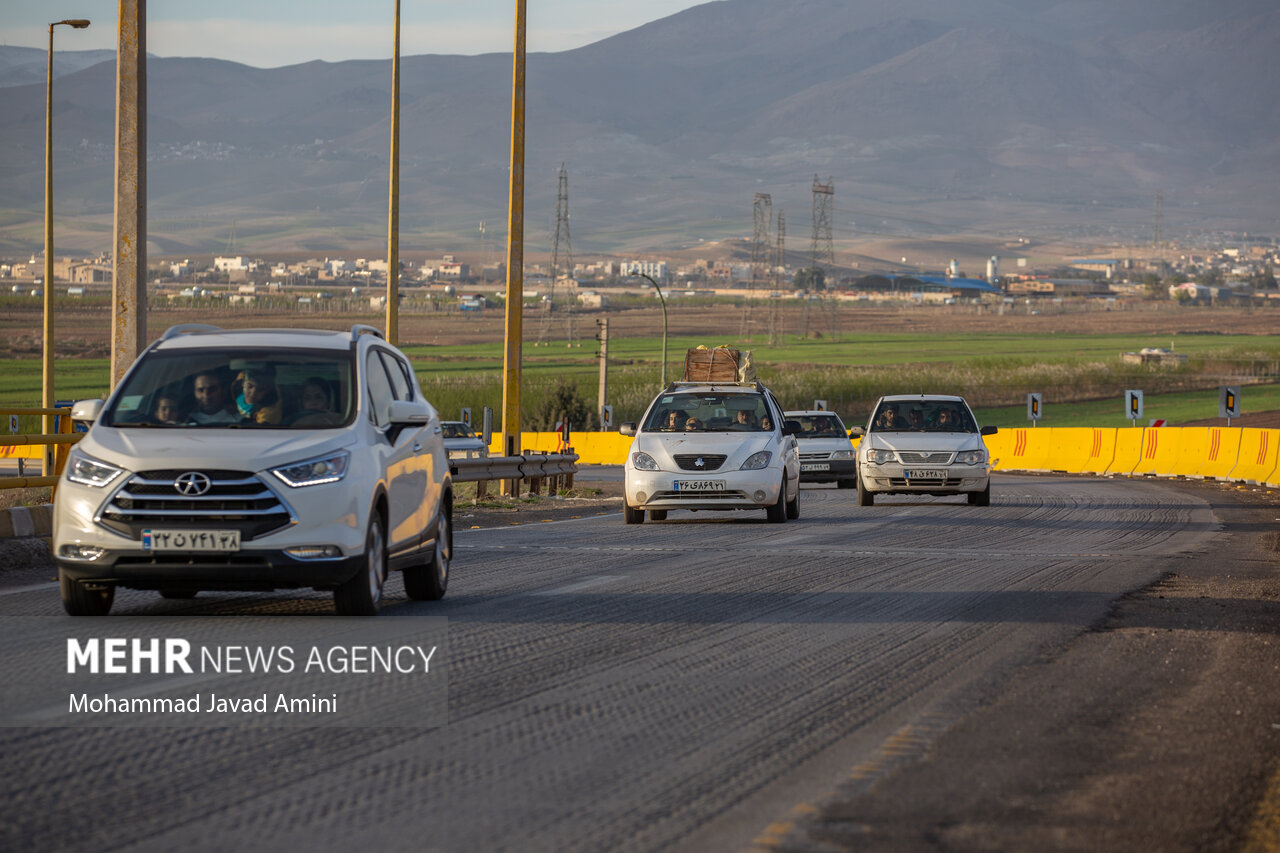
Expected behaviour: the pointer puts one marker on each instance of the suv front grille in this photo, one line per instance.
(911, 457)
(710, 461)
(234, 500)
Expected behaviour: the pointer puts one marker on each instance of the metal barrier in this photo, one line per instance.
(60, 443)
(557, 468)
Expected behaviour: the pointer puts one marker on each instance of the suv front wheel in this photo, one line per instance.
(361, 595)
(79, 600)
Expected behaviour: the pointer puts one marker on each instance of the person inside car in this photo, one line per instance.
(259, 400)
(745, 420)
(916, 418)
(316, 396)
(766, 424)
(692, 424)
(168, 409)
(212, 400)
(675, 420)
(890, 419)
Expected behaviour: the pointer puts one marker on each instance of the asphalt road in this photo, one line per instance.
(706, 683)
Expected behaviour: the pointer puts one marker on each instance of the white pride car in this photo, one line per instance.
(720, 446)
(923, 444)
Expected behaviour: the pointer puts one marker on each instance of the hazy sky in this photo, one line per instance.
(270, 33)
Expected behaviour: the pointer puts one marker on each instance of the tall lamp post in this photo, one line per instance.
(663, 303)
(48, 395)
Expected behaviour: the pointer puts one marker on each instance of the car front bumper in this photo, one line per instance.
(890, 478)
(742, 489)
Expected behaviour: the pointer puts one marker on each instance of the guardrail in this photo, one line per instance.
(60, 442)
(556, 469)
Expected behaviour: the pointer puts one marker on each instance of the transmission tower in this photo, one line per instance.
(1159, 230)
(779, 269)
(762, 216)
(561, 260)
(822, 253)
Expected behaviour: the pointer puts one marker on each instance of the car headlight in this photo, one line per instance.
(643, 461)
(84, 469)
(971, 457)
(314, 472)
(756, 461)
(878, 457)
(842, 454)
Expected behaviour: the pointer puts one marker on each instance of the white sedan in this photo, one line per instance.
(923, 444)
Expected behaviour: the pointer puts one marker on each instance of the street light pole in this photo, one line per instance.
(47, 398)
(663, 303)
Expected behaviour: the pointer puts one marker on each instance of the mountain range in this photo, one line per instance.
(929, 117)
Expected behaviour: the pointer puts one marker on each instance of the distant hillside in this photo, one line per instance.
(930, 116)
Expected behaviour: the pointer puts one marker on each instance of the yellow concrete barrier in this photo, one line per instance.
(1021, 449)
(1128, 452)
(1102, 451)
(1161, 452)
(1219, 455)
(1068, 448)
(593, 448)
(1258, 455)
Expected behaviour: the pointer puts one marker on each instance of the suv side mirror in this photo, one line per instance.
(990, 430)
(409, 413)
(857, 432)
(628, 428)
(86, 410)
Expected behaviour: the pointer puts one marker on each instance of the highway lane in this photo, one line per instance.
(670, 685)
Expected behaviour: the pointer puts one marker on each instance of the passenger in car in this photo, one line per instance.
(915, 417)
(259, 399)
(316, 396)
(889, 418)
(168, 409)
(674, 420)
(692, 424)
(745, 420)
(212, 401)
(946, 422)
(766, 424)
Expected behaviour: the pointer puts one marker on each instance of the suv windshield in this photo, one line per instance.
(709, 412)
(275, 388)
(922, 416)
(818, 426)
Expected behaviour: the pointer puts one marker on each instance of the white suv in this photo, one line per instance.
(923, 445)
(712, 446)
(257, 459)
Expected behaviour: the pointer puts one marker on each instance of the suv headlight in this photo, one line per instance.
(756, 461)
(971, 457)
(643, 461)
(878, 457)
(313, 472)
(84, 469)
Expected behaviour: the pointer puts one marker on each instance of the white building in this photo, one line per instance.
(656, 270)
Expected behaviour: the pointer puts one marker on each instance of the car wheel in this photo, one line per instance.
(178, 593)
(79, 600)
(793, 505)
(429, 581)
(632, 516)
(850, 483)
(361, 595)
(658, 514)
(777, 514)
(865, 498)
(982, 498)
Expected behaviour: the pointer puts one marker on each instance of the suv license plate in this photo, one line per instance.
(699, 485)
(926, 474)
(198, 541)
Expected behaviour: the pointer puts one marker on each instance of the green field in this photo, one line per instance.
(1080, 375)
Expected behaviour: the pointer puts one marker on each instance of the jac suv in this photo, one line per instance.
(257, 459)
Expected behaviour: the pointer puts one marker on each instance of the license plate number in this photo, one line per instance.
(926, 474)
(199, 541)
(699, 485)
(815, 466)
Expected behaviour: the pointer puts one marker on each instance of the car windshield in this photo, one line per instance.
(818, 426)
(456, 430)
(709, 412)
(232, 389)
(922, 416)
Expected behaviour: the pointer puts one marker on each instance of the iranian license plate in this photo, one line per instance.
(699, 485)
(199, 541)
(925, 474)
(815, 466)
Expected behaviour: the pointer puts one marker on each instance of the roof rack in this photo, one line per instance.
(364, 329)
(188, 329)
(688, 383)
